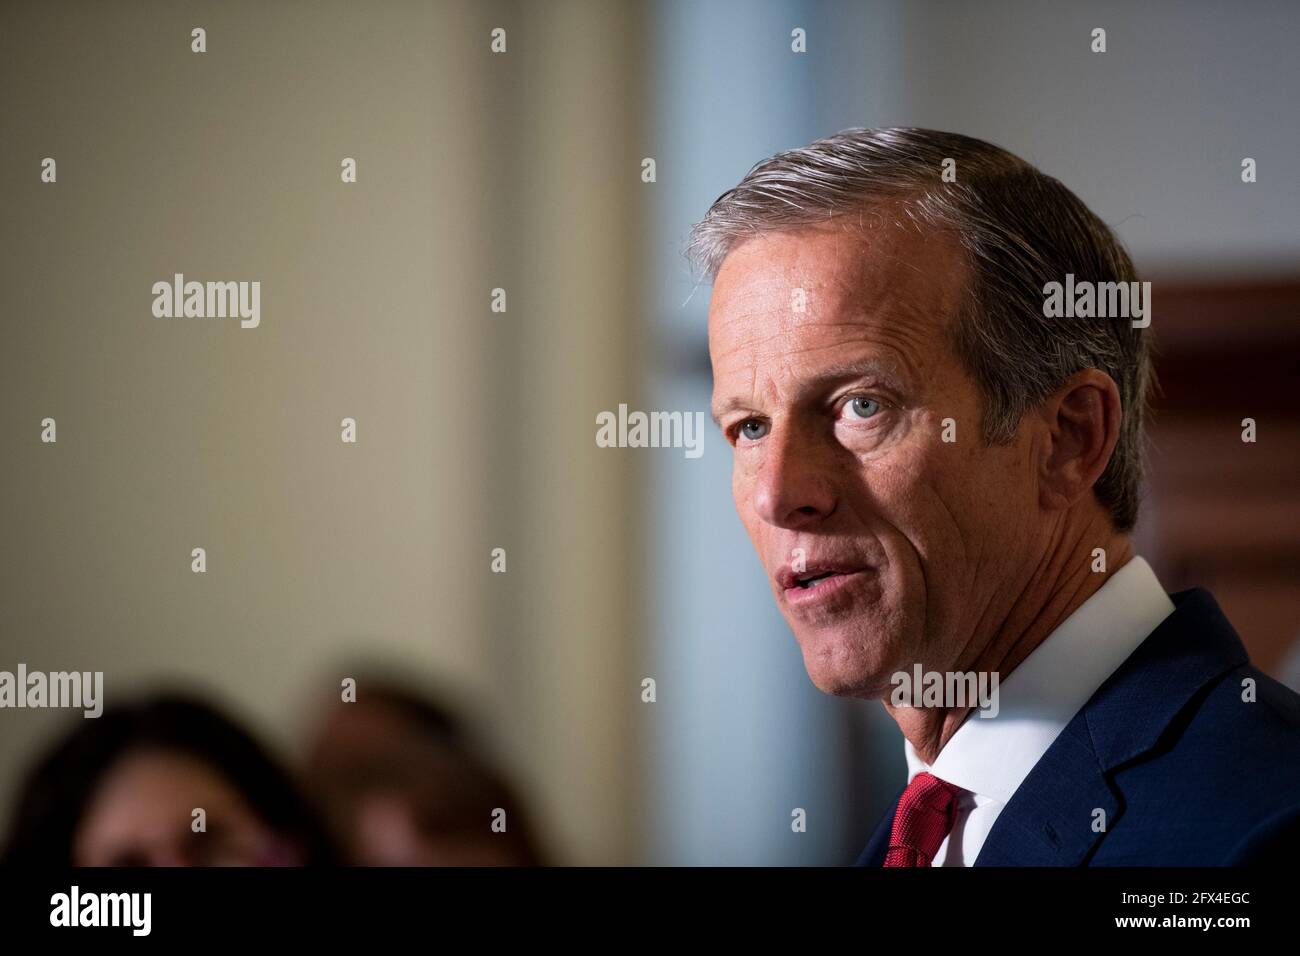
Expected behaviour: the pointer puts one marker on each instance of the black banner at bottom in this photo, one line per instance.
(612, 905)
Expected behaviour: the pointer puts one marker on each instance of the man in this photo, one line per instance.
(941, 479)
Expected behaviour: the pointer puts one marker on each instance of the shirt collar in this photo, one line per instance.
(991, 756)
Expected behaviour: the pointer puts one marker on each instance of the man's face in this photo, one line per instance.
(834, 376)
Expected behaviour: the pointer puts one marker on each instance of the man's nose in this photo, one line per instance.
(794, 487)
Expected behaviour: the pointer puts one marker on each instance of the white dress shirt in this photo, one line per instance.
(989, 757)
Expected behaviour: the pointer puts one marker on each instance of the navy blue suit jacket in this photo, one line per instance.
(1188, 773)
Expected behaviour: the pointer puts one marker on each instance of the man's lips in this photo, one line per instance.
(817, 581)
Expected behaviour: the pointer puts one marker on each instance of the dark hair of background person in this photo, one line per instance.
(59, 789)
(440, 725)
(454, 808)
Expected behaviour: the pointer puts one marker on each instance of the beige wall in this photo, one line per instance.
(475, 429)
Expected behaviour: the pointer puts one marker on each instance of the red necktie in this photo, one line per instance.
(924, 817)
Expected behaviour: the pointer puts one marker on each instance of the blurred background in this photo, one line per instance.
(522, 170)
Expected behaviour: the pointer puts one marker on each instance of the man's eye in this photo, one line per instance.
(753, 429)
(862, 407)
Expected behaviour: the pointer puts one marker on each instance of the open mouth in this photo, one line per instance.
(816, 581)
(804, 582)
(826, 587)
(820, 587)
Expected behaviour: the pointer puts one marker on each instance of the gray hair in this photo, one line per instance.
(1020, 229)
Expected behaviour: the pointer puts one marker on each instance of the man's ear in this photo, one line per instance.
(1083, 420)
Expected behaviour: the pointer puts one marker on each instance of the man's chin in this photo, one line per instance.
(844, 669)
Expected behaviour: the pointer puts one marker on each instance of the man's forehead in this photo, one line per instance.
(830, 261)
(829, 272)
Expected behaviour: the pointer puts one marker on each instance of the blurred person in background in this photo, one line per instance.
(400, 784)
(122, 790)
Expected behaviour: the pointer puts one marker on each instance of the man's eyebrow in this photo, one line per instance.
(884, 372)
(722, 408)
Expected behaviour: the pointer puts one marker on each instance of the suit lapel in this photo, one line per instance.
(1050, 820)
(878, 845)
